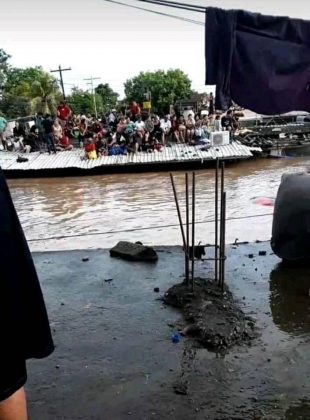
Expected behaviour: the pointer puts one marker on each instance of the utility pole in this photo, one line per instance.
(91, 79)
(60, 70)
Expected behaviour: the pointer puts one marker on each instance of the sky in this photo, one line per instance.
(114, 42)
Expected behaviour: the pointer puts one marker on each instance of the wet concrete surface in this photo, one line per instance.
(114, 358)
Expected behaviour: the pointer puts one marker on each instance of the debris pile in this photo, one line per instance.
(212, 316)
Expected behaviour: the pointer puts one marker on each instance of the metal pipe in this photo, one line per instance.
(221, 243)
(221, 223)
(216, 219)
(222, 176)
(193, 230)
(178, 210)
(187, 229)
(223, 240)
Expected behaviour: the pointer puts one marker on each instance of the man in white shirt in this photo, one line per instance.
(139, 123)
(111, 118)
(165, 124)
(140, 129)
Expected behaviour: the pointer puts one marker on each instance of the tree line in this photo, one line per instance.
(25, 91)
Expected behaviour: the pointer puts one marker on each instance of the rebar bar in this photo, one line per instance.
(216, 219)
(178, 211)
(193, 229)
(221, 222)
(223, 240)
(187, 229)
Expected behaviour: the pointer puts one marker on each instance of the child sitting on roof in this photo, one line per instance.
(90, 149)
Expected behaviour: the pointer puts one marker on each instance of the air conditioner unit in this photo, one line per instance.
(219, 138)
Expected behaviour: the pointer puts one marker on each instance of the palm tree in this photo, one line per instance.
(44, 94)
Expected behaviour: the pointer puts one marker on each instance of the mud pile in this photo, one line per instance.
(212, 317)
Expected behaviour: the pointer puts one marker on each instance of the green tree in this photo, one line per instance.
(166, 88)
(12, 106)
(4, 67)
(19, 81)
(31, 90)
(82, 101)
(109, 98)
(44, 94)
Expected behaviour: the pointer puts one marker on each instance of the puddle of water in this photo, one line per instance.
(298, 412)
(290, 299)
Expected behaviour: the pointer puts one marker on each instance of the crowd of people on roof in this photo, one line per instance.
(115, 133)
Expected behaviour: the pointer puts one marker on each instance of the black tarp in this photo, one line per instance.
(24, 325)
(291, 221)
(260, 62)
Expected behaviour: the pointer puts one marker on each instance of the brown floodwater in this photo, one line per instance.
(98, 211)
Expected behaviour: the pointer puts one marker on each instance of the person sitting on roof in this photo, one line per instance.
(158, 132)
(90, 149)
(182, 130)
(129, 130)
(165, 125)
(148, 127)
(101, 144)
(190, 128)
(135, 110)
(97, 128)
(227, 120)
(64, 144)
(82, 130)
(120, 128)
(57, 131)
(19, 130)
(139, 131)
(217, 123)
(175, 128)
(33, 139)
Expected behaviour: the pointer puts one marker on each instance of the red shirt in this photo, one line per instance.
(174, 125)
(90, 147)
(63, 112)
(64, 141)
(135, 109)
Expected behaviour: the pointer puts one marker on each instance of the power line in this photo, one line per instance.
(196, 22)
(176, 5)
(78, 235)
(169, 2)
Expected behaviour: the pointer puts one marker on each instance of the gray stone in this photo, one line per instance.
(133, 252)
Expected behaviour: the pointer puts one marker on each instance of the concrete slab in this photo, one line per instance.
(114, 358)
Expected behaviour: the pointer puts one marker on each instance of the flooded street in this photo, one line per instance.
(113, 333)
(98, 211)
(114, 348)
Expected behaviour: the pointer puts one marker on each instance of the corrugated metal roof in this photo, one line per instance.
(75, 158)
